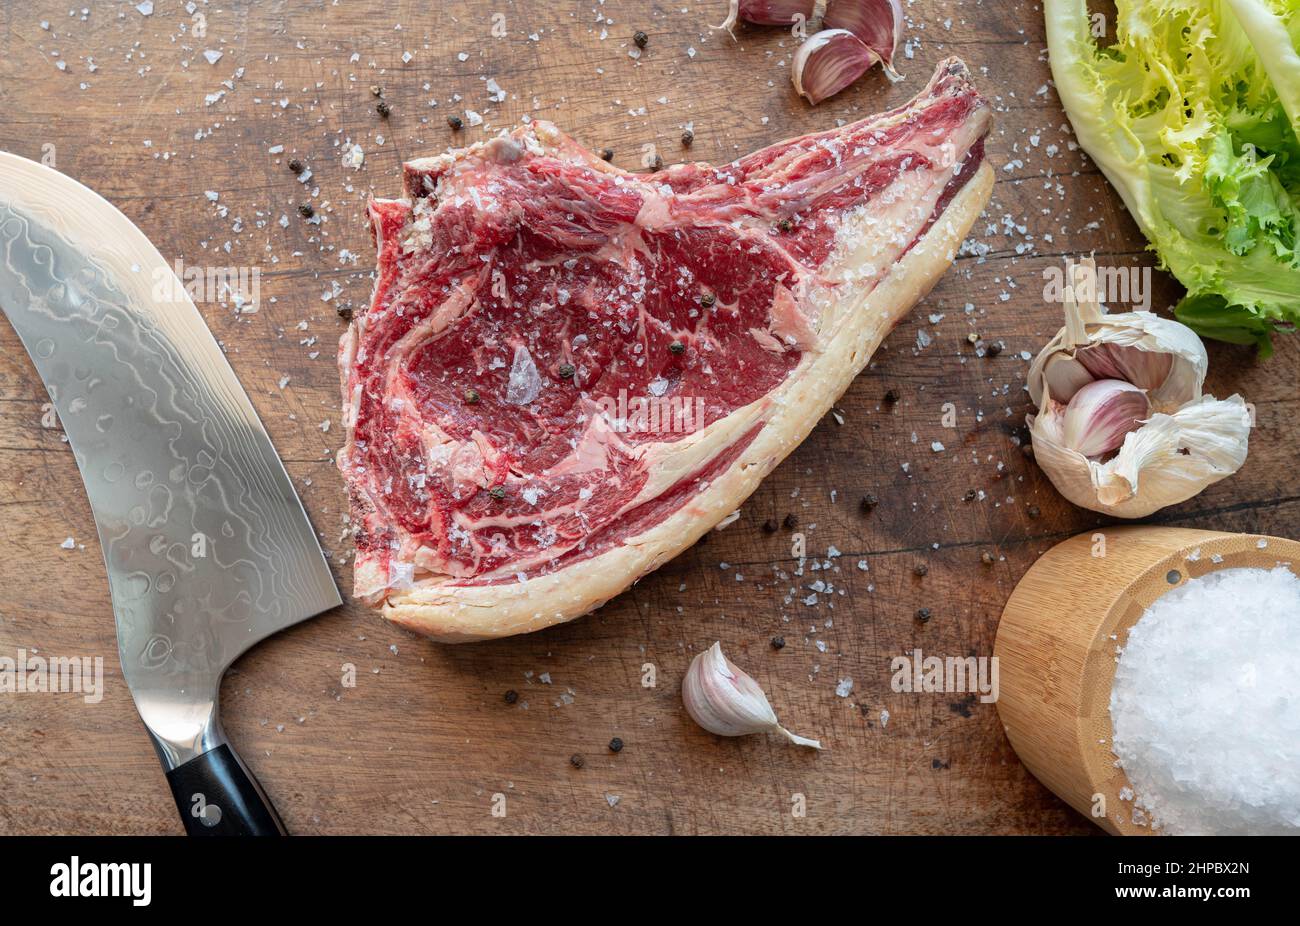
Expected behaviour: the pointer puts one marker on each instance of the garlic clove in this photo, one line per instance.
(1101, 414)
(768, 13)
(877, 24)
(724, 700)
(1146, 369)
(828, 62)
(1065, 376)
(1098, 361)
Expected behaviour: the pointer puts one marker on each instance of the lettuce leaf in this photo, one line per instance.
(1192, 112)
(1211, 317)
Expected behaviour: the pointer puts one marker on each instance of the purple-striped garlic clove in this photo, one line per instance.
(1101, 414)
(877, 24)
(724, 700)
(1145, 369)
(828, 62)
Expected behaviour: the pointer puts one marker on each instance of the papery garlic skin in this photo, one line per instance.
(1187, 442)
(829, 61)
(1150, 472)
(1214, 434)
(724, 700)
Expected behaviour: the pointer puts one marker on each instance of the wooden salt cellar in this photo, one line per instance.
(1059, 637)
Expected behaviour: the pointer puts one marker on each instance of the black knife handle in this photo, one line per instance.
(218, 796)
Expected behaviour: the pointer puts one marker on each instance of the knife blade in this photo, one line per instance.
(206, 543)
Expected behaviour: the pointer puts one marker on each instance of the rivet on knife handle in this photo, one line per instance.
(217, 796)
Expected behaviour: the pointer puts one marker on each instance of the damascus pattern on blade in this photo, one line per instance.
(207, 546)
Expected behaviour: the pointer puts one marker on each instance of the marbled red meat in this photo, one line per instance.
(532, 302)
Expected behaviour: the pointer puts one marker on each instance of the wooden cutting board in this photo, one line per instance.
(196, 153)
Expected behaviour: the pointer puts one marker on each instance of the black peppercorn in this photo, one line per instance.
(993, 349)
(770, 526)
(640, 38)
(1033, 511)
(920, 569)
(456, 123)
(923, 615)
(677, 347)
(512, 696)
(707, 300)
(869, 501)
(987, 558)
(891, 397)
(383, 109)
(616, 745)
(296, 165)
(790, 522)
(970, 495)
(785, 225)
(577, 761)
(471, 396)
(345, 312)
(688, 136)
(306, 211)
(656, 163)
(567, 370)
(497, 492)
(778, 642)
(607, 154)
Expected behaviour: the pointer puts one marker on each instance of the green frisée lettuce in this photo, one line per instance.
(1190, 108)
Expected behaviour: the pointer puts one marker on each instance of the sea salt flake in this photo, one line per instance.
(353, 157)
(525, 382)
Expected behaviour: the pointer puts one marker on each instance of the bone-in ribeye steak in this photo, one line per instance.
(570, 372)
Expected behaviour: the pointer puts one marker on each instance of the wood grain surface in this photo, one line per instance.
(130, 105)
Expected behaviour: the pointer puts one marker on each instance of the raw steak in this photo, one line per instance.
(570, 372)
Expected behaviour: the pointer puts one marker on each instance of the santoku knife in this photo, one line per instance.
(207, 545)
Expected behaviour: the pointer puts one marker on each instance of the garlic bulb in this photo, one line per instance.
(724, 700)
(1129, 382)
